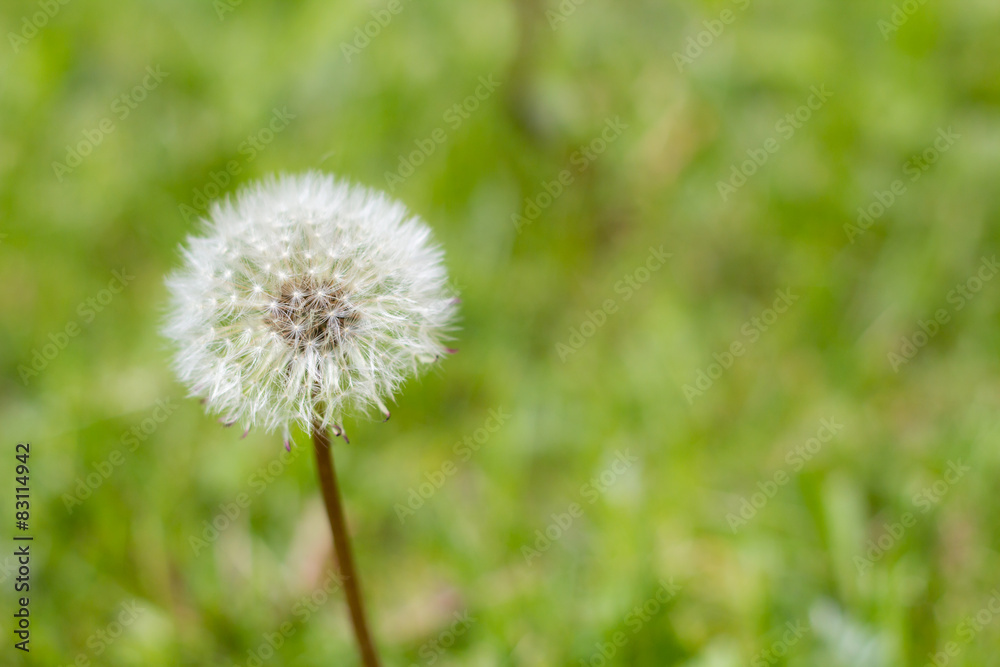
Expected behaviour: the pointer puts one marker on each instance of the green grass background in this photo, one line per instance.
(662, 519)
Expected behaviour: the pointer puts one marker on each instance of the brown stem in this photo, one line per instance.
(341, 543)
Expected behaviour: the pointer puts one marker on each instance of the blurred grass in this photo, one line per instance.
(523, 294)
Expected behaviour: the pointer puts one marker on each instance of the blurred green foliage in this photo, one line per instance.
(857, 539)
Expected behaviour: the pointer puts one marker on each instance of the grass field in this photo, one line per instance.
(727, 390)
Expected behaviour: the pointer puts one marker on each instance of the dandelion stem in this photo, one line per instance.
(341, 543)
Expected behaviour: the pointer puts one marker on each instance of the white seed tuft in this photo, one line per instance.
(306, 299)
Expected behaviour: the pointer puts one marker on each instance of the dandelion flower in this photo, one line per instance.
(305, 299)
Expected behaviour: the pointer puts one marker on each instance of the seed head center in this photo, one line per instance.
(311, 314)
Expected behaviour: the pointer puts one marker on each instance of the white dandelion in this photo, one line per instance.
(306, 299)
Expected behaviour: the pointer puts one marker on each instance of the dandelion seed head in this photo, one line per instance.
(305, 299)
